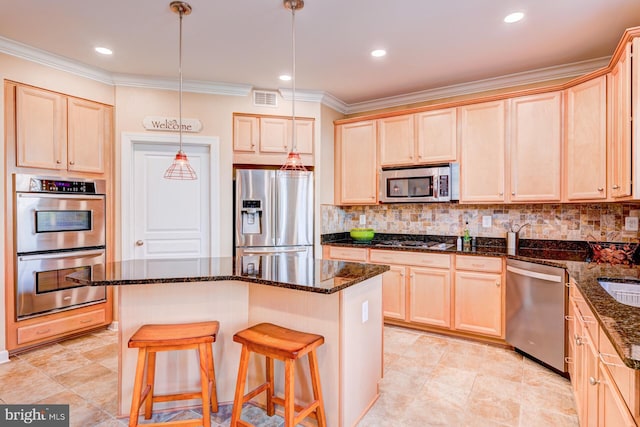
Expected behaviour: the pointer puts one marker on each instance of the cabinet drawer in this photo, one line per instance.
(589, 321)
(420, 259)
(479, 263)
(349, 254)
(60, 326)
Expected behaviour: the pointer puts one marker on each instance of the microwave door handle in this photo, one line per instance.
(60, 255)
(59, 196)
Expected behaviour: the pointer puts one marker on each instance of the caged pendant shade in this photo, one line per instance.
(180, 168)
(293, 166)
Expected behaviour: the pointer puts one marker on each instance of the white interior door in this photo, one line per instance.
(167, 218)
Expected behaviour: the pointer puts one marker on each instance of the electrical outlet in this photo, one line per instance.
(365, 311)
(486, 221)
(631, 223)
(363, 219)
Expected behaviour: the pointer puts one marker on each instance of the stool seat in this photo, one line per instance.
(150, 339)
(279, 342)
(287, 345)
(174, 334)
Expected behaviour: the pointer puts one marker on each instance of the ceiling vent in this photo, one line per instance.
(264, 98)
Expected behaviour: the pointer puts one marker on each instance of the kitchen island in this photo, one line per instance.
(340, 300)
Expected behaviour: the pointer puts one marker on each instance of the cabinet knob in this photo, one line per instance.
(253, 145)
(501, 194)
(513, 193)
(600, 189)
(497, 283)
(578, 340)
(72, 163)
(593, 381)
(615, 187)
(139, 243)
(58, 162)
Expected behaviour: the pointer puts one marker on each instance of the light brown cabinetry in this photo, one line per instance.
(54, 131)
(535, 147)
(268, 139)
(619, 86)
(356, 181)
(585, 162)
(71, 323)
(606, 391)
(396, 141)
(479, 295)
(482, 152)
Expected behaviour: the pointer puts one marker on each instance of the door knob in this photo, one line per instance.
(139, 243)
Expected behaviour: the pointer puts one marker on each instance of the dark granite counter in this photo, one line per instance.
(620, 322)
(285, 271)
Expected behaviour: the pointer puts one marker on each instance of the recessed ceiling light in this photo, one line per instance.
(104, 50)
(285, 77)
(378, 53)
(513, 17)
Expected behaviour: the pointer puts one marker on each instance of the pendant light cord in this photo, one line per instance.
(293, 74)
(180, 72)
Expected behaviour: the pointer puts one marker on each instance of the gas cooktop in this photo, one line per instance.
(429, 244)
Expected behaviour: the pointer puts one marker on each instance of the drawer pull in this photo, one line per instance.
(604, 362)
(593, 381)
(86, 320)
(67, 298)
(43, 331)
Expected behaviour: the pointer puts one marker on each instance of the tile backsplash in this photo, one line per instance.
(586, 222)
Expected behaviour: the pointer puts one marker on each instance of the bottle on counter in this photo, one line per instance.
(459, 244)
(466, 238)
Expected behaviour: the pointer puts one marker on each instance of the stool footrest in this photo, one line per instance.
(256, 391)
(196, 422)
(177, 396)
(301, 411)
(144, 394)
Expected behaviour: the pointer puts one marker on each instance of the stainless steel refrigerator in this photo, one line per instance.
(273, 215)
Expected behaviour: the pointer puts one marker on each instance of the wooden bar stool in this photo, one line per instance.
(275, 342)
(149, 340)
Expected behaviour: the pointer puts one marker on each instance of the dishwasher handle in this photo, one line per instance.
(535, 275)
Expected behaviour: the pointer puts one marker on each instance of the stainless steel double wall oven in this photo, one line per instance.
(59, 228)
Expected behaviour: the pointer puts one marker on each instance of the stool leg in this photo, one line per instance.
(137, 388)
(271, 390)
(289, 397)
(151, 380)
(203, 355)
(238, 400)
(212, 380)
(317, 390)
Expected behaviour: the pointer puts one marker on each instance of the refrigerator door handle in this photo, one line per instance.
(273, 251)
(275, 207)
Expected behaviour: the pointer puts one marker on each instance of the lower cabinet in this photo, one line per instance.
(478, 303)
(430, 296)
(605, 390)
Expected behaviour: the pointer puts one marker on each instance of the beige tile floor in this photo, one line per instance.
(429, 380)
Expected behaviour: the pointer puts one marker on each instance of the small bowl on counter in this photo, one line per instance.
(362, 235)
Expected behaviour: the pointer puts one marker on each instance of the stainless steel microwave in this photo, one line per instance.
(421, 184)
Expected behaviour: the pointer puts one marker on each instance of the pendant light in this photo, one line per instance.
(180, 168)
(293, 165)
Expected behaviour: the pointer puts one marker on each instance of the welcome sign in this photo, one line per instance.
(171, 124)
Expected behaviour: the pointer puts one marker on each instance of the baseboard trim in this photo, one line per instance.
(113, 326)
(4, 356)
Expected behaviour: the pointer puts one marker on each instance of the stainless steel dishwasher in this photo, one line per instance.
(536, 305)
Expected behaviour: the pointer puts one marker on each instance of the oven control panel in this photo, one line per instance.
(60, 186)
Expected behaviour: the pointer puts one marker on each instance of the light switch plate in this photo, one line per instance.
(363, 219)
(631, 223)
(365, 311)
(486, 221)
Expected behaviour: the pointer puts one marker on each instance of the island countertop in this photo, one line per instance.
(282, 270)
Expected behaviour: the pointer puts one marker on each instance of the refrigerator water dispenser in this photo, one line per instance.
(251, 217)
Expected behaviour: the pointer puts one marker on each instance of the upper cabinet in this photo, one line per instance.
(482, 152)
(266, 140)
(54, 131)
(356, 179)
(535, 146)
(619, 86)
(416, 139)
(585, 161)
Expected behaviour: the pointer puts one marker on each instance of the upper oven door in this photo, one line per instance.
(46, 222)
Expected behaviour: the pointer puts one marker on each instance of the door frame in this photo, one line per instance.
(129, 141)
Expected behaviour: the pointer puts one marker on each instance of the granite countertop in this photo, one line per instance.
(620, 322)
(283, 270)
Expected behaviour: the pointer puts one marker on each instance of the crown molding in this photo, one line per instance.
(573, 69)
(195, 86)
(315, 96)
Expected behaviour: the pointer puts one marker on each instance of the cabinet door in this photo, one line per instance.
(355, 163)
(41, 124)
(612, 410)
(246, 134)
(274, 135)
(89, 127)
(482, 148)
(394, 293)
(430, 296)
(620, 126)
(396, 141)
(586, 141)
(478, 303)
(436, 136)
(304, 136)
(535, 147)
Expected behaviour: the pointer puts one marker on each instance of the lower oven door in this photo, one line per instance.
(42, 287)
